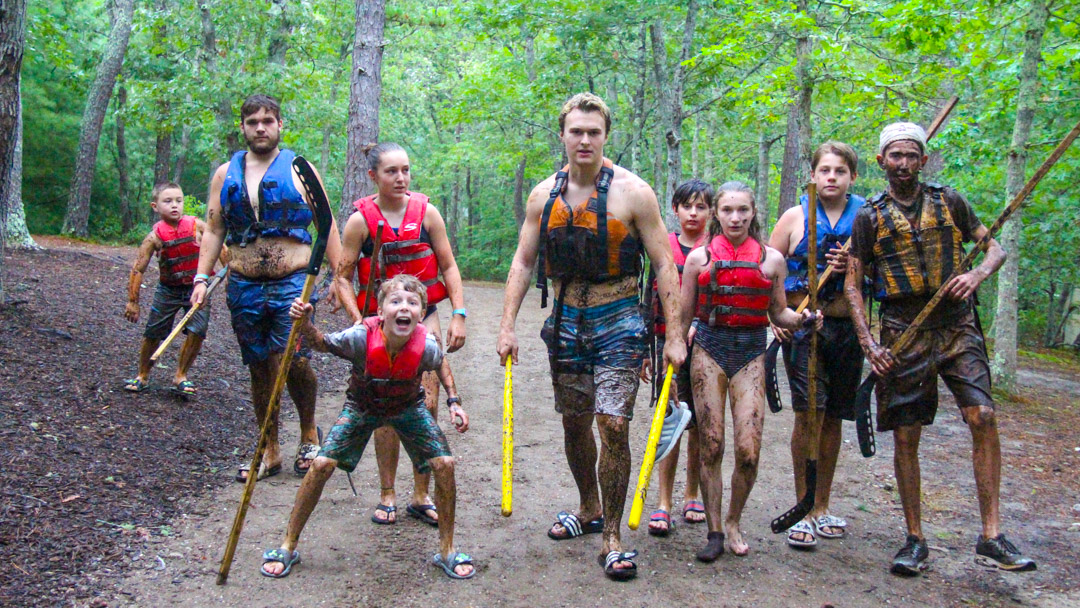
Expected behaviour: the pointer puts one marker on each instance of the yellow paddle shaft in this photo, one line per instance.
(650, 452)
(508, 443)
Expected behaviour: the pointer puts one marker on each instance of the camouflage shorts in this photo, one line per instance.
(419, 433)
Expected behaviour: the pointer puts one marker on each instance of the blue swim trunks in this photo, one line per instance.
(419, 433)
(609, 335)
(260, 313)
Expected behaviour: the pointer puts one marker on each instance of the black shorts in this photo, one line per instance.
(957, 353)
(840, 365)
(169, 300)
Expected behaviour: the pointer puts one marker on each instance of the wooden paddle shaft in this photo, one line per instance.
(811, 372)
(264, 435)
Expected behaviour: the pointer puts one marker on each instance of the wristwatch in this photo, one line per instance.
(452, 401)
(460, 311)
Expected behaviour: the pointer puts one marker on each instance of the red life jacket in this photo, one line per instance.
(680, 264)
(401, 253)
(388, 386)
(179, 255)
(733, 291)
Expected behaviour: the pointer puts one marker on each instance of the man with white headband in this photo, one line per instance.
(912, 236)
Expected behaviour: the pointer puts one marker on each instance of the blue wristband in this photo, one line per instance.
(459, 311)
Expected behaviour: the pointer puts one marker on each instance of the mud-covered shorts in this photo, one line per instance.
(169, 300)
(599, 355)
(840, 364)
(956, 352)
(260, 313)
(420, 434)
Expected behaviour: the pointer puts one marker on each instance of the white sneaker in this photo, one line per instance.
(675, 423)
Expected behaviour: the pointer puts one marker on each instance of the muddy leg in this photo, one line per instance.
(828, 453)
(446, 502)
(387, 447)
(262, 383)
(693, 471)
(306, 498)
(747, 421)
(614, 475)
(303, 386)
(668, 467)
(149, 345)
(430, 381)
(710, 393)
(188, 352)
(986, 456)
(908, 482)
(580, 447)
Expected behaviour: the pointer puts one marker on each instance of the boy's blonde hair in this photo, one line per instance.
(844, 151)
(586, 102)
(407, 282)
(163, 186)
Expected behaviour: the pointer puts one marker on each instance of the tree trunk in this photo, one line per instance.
(229, 131)
(762, 194)
(279, 39)
(519, 174)
(789, 171)
(181, 156)
(695, 151)
(453, 212)
(710, 153)
(12, 41)
(127, 217)
(638, 117)
(1059, 315)
(670, 94)
(364, 92)
(16, 235)
(806, 92)
(328, 125)
(97, 102)
(1003, 367)
(162, 155)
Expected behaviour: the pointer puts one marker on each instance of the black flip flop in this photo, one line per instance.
(420, 512)
(388, 511)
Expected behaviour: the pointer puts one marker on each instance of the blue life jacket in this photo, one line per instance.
(282, 209)
(829, 237)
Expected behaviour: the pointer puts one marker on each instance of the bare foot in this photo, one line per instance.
(735, 542)
(693, 511)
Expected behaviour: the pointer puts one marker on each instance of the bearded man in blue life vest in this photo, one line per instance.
(257, 206)
(589, 225)
(911, 237)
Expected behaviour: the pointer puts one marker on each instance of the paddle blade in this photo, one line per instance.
(801, 510)
(864, 420)
(772, 387)
(324, 216)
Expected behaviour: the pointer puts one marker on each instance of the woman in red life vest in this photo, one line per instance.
(732, 287)
(693, 203)
(414, 241)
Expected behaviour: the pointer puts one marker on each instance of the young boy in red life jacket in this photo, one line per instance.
(389, 352)
(693, 202)
(175, 239)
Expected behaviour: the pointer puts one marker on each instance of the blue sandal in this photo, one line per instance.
(289, 558)
(452, 561)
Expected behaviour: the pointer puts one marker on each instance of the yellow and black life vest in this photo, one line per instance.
(910, 261)
(585, 242)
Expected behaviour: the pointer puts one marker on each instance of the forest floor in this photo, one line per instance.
(114, 499)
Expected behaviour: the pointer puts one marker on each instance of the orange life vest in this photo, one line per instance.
(584, 242)
(402, 252)
(388, 386)
(732, 290)
(179, 255)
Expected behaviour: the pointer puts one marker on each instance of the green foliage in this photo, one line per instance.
(463, 93)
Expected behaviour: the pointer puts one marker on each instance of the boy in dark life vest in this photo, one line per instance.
(414, 241)
(175, 239)
(692, 203)
(258, 206)
(833, 167)
(389, 352)
(589, 224)
(911, 236)
(733, 287)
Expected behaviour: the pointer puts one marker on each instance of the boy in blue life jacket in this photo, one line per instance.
(389, 354)
(833, 169)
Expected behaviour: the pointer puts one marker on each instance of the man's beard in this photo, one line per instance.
(262, 147)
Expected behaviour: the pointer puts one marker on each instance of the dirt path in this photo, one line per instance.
(348, 560)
